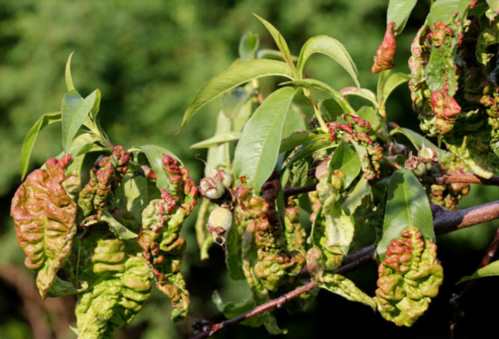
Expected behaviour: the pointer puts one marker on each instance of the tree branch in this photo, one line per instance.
(466, 178)
(444, 222)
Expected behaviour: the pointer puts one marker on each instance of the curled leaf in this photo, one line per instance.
(385, 54)
(44, 215)
(408, 277)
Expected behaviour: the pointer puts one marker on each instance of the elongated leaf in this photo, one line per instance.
(399, 12)
(407, 205)
(238, 73)
(491, 270)
(217, 140)
(155, 156)
(346, 160)
(248, 45)
(293, 140)
(218, 155)
(67, 74)
(360, 92)
(317, 84)
(279, 41)
(331, 48)
(75, 111)
(346, 288)
(447, 10)
(31, 137)
(294, 123)
(258, 148)
(388, 81)
(418, 140)
(356, 196)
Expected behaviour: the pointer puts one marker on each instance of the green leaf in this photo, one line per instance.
(346, 160)
(346, 288)
(311, 144)
(233, 254)
(75, 111)
(118, 229)
(155, 156)
(491, 270)
(447, 10)
(293, 140)
(31, 137)
(356, 196)
(331, 48)
(360, 92)
(218, 155)
(388, 81)
(258, 148)
(279, 41)
(399, 12)
(240, 72)
(334, 94)
(418, 140)
(407, 205)
(67, 74)
(248, 45)
(294, 123)
(217, 140)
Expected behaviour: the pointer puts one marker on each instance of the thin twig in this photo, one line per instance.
(491, 250)
(444, 221)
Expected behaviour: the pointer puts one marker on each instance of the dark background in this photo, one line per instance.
(149, 58)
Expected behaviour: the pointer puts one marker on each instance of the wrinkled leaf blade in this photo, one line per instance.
(238, 73)
(258, 148)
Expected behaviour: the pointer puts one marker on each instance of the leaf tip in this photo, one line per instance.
(67, 74)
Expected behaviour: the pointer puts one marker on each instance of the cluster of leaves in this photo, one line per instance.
(102, 222)
(370, 181)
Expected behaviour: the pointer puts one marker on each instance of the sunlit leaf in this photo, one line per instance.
(331, 48)
(256, 153)
(31, 137)
(491, 270)
(237, 74)
(399, 12)
(407, 205)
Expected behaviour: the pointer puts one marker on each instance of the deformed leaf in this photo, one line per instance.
(44, 215)
(256, 153)
(238, 73)
(31, 137)
(407, 205)
(491, 270)
(409, 276)
(331, 48)
(119, 284)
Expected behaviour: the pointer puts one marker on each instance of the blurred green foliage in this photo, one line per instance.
(149, 58)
